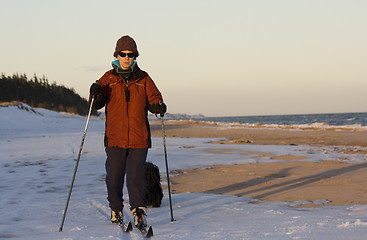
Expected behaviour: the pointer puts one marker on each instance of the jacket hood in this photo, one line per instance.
(131, 74)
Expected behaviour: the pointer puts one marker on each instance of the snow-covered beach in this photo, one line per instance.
(38, 151)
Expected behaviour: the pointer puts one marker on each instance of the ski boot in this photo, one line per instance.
(139, 214)
(117, 217)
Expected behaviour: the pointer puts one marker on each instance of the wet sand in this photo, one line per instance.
(315, 184)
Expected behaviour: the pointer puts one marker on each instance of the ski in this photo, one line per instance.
(146, 233)
(126, 227)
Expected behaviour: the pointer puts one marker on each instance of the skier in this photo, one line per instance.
(127, 93)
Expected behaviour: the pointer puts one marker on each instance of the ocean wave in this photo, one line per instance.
(313, 126)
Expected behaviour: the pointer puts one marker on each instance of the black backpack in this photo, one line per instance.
(154, 193)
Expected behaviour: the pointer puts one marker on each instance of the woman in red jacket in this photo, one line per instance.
(128, 93)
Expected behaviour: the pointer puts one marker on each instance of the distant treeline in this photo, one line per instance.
(37, 92)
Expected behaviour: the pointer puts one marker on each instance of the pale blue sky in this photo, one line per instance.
(217, 58)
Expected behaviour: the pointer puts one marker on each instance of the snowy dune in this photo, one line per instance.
(38, 151)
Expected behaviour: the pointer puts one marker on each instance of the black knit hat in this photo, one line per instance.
(126, 43)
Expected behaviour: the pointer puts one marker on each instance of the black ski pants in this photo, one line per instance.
(129, 162)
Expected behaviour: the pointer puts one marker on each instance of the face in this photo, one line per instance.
(125, 62)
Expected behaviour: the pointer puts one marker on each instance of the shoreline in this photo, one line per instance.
(293, 179)
(261, 136)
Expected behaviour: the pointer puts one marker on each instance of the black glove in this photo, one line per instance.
(156, 108)
(95, 89)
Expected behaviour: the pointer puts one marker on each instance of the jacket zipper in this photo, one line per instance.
(127, 100)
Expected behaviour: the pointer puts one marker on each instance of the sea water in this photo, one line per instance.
(332, 120)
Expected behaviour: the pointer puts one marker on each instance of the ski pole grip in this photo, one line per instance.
(161, 103)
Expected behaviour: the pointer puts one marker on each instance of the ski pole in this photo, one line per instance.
(165, 157)
(76, 166)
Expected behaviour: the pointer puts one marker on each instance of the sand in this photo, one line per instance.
(308, 184)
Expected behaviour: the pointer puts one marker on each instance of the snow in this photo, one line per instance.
(38, 152)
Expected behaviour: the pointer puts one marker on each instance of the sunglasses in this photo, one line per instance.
(130, 55)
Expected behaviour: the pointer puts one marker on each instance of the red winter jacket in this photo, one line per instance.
(126, 104)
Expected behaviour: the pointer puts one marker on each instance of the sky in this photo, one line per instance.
(211, 57)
